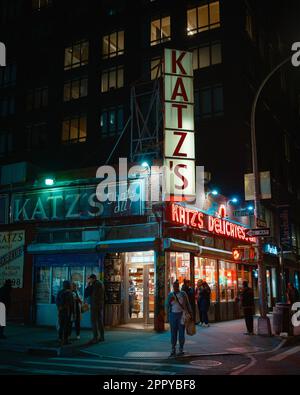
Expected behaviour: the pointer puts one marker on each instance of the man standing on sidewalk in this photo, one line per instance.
(5, 298)
(95, 291)
(247, 300)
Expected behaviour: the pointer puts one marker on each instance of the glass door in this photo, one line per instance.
(139, 302)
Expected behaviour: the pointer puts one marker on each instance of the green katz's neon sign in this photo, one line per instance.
(73, 203)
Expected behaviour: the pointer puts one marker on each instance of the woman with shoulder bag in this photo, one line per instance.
(180, 313)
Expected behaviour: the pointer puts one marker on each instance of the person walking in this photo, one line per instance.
(292, 294)
(5, 298)
(95, 291)
(204, 303)
(65, 307)
(247, 302)
(186, 287)
(178, 308)
(77, 311)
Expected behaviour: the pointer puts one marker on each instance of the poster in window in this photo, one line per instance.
(12, 257)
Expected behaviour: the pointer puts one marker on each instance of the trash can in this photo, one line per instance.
(282, 318)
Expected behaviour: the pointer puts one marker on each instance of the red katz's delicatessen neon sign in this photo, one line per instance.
(196, 219)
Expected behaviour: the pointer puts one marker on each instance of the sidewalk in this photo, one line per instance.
(220, 338)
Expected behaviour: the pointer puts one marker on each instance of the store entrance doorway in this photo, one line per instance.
(139, 277)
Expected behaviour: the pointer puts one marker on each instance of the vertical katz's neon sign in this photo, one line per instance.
(179, 139)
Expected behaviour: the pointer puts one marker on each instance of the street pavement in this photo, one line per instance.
(221, 349)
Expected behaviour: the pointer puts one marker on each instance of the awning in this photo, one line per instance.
(215, 253)
(181, 246)
(126, 245)
(43, 248)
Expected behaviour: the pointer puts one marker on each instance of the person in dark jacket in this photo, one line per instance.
(247, 301)
(5, 298)
(95, 293)
(292, 294)
(204, 303)
(65, 307)
(186, 287)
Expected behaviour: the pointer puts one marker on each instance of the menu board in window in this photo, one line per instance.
(42, 288)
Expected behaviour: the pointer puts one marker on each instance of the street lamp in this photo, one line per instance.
(264, 326)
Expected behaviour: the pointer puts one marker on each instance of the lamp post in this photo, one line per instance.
(264, 327)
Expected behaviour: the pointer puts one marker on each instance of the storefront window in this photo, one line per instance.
(59, 275)
(206, 269)
(227, 281)
(42, 287)
(179, 267)
(91, 270)
(77, 277)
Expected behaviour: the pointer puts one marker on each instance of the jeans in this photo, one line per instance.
(97, 322)
(176, 327)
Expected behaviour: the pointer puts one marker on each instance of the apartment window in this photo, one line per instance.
(7, 106)
(5, 143)
(160, 30)
(39, 4)
(207, 55)
(155, 66)
(74, 130)
(112, 78)
(112, 121)
(209, 102)
(36, 136)
(76, 55)
(75, 89)
(37, 98)
(203, 18)
(113, 45)
(8, 75)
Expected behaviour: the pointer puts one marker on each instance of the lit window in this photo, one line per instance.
(155, 68)
(113, 45)
(160, 30)
(112, 121)
(207, 55)
(74, 130)
(76, 55)
(75, 89)
(112, 79)
(206, 269)
(203, 18)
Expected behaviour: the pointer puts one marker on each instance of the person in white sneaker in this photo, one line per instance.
(178, 306)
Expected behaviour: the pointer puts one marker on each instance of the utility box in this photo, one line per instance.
(282, 319)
